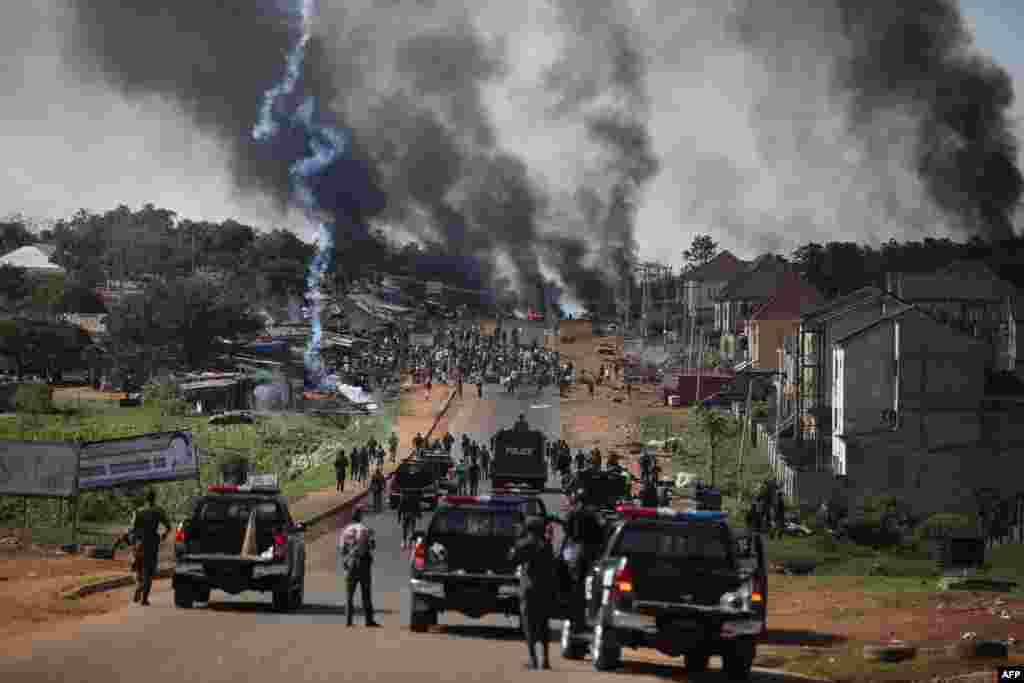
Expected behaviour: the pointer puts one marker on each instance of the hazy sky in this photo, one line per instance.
(68, 146)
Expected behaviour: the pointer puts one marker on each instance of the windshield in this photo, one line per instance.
(691, 542)
(476, 522)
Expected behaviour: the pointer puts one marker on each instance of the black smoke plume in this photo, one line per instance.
(915, 57)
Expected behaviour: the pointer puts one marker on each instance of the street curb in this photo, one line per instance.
(110, 584)
(116, 582)
(352, 502)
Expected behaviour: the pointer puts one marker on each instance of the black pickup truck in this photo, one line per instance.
(409, 476)
(208, 548)
(682, 583)
(602, 490)
(461, 562)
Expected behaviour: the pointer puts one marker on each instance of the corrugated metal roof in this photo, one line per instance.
(210, 384)
(31, 258)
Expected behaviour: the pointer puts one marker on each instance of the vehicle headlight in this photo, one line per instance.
(737, 601)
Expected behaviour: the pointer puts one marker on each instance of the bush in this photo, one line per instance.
(877, 521)
(945, 525)
(34, 398)
(164, 396)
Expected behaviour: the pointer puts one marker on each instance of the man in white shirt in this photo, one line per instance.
(356, 544)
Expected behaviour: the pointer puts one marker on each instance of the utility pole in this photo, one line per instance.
(748, 423)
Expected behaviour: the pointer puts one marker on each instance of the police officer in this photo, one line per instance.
(393, 446)
(409, 510)
(146, 532)
(537, 580)
(585, 530)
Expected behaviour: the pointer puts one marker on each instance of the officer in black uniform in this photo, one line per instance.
(585, 530)
(537, 581)
(146, 531)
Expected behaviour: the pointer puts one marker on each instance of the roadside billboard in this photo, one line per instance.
(38, 468)
(166, 456)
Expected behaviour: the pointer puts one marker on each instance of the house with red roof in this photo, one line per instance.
(779, 318)
(704, 283)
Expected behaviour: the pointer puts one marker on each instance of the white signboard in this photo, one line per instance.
(38, 468)
(167, 456)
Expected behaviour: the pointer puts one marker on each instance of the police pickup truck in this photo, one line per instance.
(519, 459)
(210, 547)
(680, 582)
(461, 562)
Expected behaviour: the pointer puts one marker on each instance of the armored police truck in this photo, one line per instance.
(519, 459)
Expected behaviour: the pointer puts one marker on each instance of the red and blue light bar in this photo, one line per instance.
(484, 500)
(636, 512)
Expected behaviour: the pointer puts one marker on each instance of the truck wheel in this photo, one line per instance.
(183, 596)
(604, 650)
(203, 595)
(297, 596)
(419, 620)
(697, 661)
(280, 600)
(739, 659)
(571, 646)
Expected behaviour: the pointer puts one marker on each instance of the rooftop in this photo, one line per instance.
(794, 297)
(721, 268)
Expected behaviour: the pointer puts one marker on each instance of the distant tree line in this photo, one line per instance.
(200, 281)
(838, 268)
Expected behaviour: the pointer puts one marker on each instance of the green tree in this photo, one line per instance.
(15, 286)
(701, 251)
(14, 234)
(716, 427)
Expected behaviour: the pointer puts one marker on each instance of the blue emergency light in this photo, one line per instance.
(635, 512)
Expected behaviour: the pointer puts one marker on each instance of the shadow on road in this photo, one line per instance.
(808, 638)
(679, 673)
(512, 632)
(308, 609)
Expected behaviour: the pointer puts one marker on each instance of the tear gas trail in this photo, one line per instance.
(326, 145)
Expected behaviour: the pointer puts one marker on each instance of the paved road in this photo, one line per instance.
(238, 638)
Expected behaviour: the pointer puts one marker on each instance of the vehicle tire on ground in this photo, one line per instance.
(281, 600)
(572, 646)
(297, 597)
(203, 595)
(605, 649)
(419, 620)
(697, 661)
(184, 596)
(739, 659)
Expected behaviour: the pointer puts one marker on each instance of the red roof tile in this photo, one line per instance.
(722, 268)
(793, 298)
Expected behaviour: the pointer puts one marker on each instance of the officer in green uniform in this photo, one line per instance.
(146, 531)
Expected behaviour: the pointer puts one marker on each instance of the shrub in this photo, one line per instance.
(164, 396)
(34, 398)
(877, 521)
(945, 525)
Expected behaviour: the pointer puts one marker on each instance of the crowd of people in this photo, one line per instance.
(357, 464)
(463, 355)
